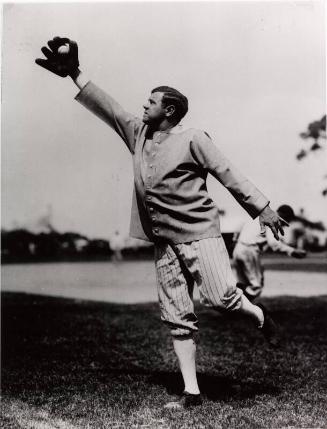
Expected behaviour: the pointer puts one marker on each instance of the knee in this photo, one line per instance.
(182, 333)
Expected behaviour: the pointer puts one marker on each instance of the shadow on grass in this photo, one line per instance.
(215, 388)
(53, 348)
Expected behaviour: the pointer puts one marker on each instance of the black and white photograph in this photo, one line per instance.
(163, 215)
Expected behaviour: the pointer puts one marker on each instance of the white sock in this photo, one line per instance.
(252, 310)
(185, 350)
(261, 317)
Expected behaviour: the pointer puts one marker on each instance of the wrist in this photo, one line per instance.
(264, 209)
(78, 78)
(75, 73)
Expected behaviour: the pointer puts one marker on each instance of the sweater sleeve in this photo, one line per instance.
(211, 159)
(106, 108)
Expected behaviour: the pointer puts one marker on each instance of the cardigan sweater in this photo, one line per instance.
(170, 198)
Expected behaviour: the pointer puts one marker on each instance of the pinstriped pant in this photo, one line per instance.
(179, 266)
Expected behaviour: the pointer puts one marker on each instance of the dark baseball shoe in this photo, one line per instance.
(269, 328)
(187, 400)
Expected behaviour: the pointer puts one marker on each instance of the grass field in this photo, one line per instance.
(81, 364)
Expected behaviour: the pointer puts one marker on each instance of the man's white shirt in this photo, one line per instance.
(251, 235)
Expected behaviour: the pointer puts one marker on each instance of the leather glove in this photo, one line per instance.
(299, 253)
(60, 64)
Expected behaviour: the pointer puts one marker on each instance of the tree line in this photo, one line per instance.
(21, 245)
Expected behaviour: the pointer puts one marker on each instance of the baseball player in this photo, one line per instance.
(116, 245)
(251, 242)
(171, 207)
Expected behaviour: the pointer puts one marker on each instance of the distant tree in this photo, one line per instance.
(17, 244)
(48, 245)
(98, 247)
(70, 242)
(316, 133)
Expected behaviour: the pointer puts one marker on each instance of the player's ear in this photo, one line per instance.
(170, 110)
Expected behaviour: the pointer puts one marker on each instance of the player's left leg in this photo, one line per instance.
(213, 274)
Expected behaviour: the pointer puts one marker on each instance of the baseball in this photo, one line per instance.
(63, 49)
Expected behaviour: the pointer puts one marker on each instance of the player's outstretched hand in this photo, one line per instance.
(61, 57)
(270, 218)
(299, 253)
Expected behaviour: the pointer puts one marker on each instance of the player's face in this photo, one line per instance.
(154, 112)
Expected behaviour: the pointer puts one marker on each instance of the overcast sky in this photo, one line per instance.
(254, 74)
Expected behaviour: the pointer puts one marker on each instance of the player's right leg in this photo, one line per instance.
(177, 311)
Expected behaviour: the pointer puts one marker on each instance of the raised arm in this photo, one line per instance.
(62, 60)
(246, 194)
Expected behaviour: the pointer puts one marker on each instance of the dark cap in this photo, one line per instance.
(286, 212)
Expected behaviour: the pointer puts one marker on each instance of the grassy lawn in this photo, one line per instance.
(80, 364)
(314, 262)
